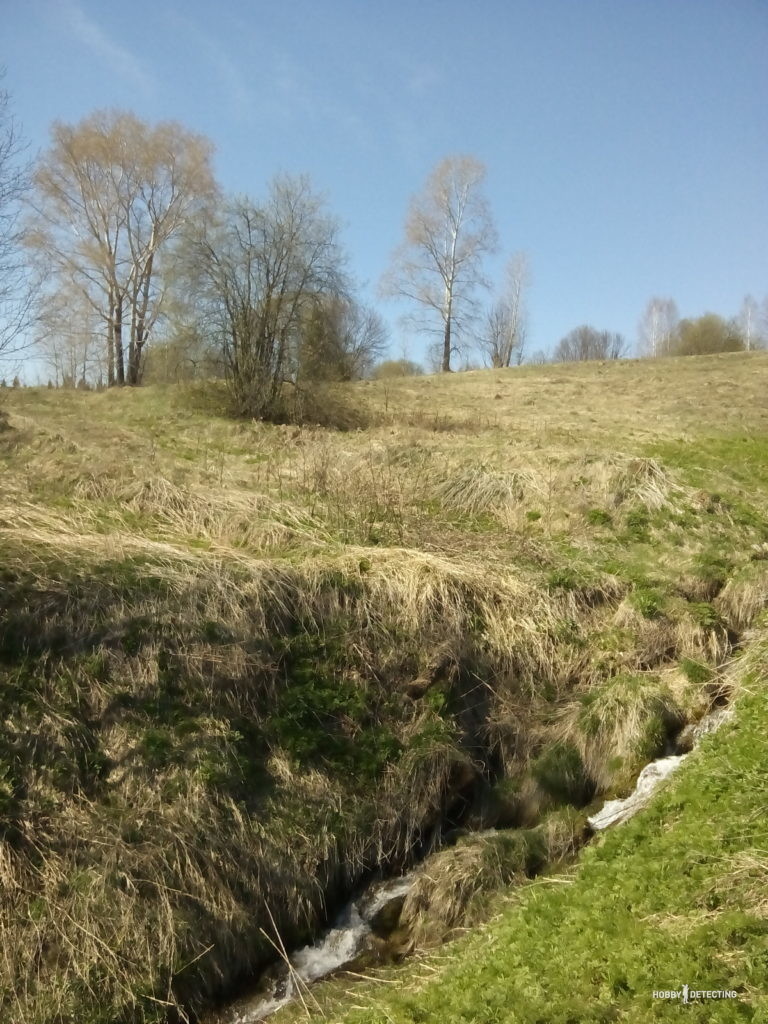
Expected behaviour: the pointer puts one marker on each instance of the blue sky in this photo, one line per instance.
(626, 141)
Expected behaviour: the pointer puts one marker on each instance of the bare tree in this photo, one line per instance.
(342, 339)
(586, 342)
(15, 290)
(657, 327)
(262, 269)
(109, 195)
(503, 340)
(538, 358)
(448, 230)
(68, 335)
(749, 323)
(364, 336)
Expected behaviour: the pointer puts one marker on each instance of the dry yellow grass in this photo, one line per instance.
(492, 550)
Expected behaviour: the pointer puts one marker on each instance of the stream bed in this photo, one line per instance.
(374, 913)
(352, 933)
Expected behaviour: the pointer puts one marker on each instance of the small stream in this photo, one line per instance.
(615, 811)
(351, 934)
(354, 931)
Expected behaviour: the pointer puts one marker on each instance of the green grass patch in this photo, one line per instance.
(560, 772)
(637, 525)
(599, 517)
(648, 601)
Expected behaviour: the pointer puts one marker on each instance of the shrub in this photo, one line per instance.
(396, 368)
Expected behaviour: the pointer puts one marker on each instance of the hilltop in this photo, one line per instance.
(243, 665)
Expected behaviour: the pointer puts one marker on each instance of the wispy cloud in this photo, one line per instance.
(212, 54)
(110, 53)
(422, 79)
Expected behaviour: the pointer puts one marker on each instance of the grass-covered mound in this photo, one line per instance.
(241, 666)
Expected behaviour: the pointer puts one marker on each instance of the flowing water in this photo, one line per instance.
(616, 811)
(349, 935)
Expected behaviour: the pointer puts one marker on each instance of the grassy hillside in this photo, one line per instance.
(242, 665)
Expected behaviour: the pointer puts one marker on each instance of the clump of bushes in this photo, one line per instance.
(390, 368)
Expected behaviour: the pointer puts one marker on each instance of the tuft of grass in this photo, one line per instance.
(561, 773)
(696, 673)
(619, 725)
(648, 601)
(452, 887)
(477, 489)
(637, 524)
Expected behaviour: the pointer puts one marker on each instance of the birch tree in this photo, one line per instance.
(749, 322)
(15, 291)
(657, 328)
(503, 339)
(438, 266)
(109, 196)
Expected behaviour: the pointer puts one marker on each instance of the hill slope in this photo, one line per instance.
(242, 666)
